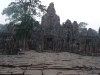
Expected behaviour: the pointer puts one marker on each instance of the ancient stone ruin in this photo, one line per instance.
(55, 37)
(51, 36)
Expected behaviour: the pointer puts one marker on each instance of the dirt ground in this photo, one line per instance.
(64, 63)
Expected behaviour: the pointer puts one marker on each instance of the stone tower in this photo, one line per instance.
(75, 30)
(50, 21)
(50, 27)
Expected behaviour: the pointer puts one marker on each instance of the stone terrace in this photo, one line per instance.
(33, 63)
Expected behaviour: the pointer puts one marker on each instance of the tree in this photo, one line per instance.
(21, 15)
(95, 32)
(82, 25)
(9, 26)
(2, 28)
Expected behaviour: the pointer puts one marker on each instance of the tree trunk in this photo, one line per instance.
(25, 47)
(24, 44)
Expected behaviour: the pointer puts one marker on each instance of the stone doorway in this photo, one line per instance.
(48, 43)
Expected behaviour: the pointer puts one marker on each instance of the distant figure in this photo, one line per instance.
(20, 50)
(99, 50)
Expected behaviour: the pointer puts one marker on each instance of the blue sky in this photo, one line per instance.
(75, 10)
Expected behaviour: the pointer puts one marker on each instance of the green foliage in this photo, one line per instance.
(23, 11)
(9, 26)
(95, 32)
(82, 24)
(19, 7)
(27, 23)
(2, 28)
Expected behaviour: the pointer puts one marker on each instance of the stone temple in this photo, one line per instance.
(51, 36)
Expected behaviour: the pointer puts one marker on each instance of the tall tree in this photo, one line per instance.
(21, 14)
(2, 28)
(82, 25)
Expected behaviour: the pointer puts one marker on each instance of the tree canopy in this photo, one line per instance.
(82, 24)
(16, 9)
(22, 14)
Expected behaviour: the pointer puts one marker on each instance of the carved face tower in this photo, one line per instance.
(50, 21)
(50, 26)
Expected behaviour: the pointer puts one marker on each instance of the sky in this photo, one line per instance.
(75, 10)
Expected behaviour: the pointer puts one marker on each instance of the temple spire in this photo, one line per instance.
(51, 9)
